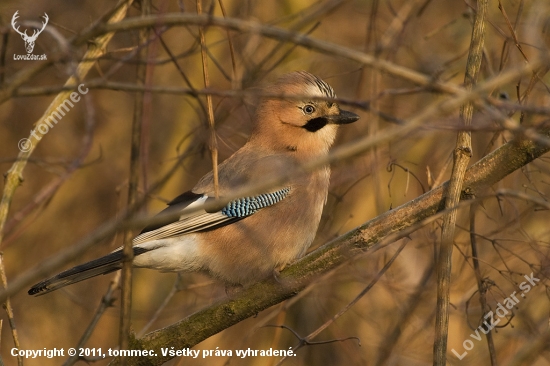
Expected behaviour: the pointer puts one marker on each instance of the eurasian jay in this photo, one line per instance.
(250, 238)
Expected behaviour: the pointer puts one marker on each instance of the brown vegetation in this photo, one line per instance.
(369, 297)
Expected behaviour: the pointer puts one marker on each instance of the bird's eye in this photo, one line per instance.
(308, 109)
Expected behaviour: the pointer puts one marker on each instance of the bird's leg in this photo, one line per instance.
(277, 273)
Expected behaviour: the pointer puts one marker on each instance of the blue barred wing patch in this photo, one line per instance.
(247, 206)
(205, 221)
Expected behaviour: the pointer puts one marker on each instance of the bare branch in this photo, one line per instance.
(461, 155)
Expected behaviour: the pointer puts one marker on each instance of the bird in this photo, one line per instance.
(252, 237)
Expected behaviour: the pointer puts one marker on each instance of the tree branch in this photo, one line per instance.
(462, 154)
(207, 322)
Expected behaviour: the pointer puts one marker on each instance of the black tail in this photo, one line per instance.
(103, 265)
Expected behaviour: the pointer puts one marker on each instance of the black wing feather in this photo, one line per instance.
(109, 263)
(177, 204)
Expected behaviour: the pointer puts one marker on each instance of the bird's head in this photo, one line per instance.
(296, 115)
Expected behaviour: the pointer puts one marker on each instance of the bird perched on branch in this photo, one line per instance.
(251, 237)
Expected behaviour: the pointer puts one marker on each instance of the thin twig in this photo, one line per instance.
(482, 288)
(213, 145)
(95, 51)
(106, 302)
(524, 197)
(133, 183)
(512, 30)
(173, 291)
(9, 311)
(51, 188)
(390, 341)
(360, 295)
(193, 91)
(231, 49)
(1, 324)
(280, 34)
(462, 155)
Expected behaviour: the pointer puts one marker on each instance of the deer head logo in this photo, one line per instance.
(29, 40)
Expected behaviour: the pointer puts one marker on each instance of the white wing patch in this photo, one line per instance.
(202, 220)
(185, 225)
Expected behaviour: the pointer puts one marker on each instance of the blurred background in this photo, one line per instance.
(77, 178)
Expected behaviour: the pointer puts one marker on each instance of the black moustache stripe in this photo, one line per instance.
(315, 124)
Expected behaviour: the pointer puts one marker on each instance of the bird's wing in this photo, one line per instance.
(202, 220)
(242, 168)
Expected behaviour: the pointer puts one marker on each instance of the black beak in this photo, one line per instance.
(343, 118)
